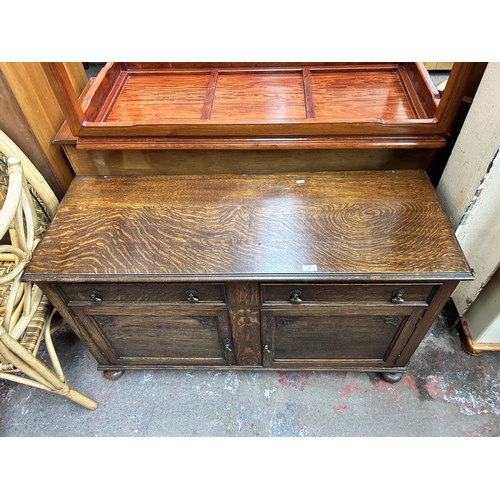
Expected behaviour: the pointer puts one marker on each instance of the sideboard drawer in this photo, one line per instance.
(347, 293)
(144, 292)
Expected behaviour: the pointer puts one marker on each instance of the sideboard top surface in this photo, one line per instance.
(346, 225)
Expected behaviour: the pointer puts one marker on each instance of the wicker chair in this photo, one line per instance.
(26, 316)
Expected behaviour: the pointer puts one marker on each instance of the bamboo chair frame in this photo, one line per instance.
(26, 315)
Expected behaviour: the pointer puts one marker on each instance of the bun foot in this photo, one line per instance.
(113, 374)
(392, 378)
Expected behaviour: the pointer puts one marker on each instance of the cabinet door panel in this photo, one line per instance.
(330, 336)
(167, 337)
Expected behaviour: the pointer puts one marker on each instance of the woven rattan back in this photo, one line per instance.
(44, 199)
(20, 232)
(27, 206)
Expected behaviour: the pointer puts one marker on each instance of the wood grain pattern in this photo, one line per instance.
(144, 99)
(31, 117)
(245, 327)
(307, 335)
(373, 93)
(310, 337)
(438, 301)
(146, 292)
(361, 95)
(75, 323)
(259, 97)
(243, 294)
(164, 335)
(273, 293)
(347, 224)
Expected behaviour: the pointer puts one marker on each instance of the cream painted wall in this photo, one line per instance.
(469, 189)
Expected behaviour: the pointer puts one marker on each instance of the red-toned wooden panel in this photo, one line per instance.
(258, 106)
(360, 95)
(259, 97)
(161, 98)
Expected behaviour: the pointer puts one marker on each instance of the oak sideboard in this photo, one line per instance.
(252, 215)
(337, 271)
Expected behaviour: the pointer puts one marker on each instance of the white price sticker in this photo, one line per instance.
(310, 268)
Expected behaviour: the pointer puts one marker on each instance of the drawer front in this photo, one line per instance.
(303, 293)
(102, 293)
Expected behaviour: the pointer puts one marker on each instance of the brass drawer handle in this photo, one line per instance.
(397, 297)
(191, 296)
(94, 296)
(294, 296)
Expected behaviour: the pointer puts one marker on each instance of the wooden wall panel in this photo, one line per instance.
(31, 116)
(175, 162)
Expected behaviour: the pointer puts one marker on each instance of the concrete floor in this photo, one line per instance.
(445, 392)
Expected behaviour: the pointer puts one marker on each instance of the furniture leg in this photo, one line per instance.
(392, 378)
(113, 374)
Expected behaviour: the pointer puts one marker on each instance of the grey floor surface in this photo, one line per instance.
(445, 392)
(185, 425)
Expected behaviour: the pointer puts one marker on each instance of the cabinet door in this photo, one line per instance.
(322, 337)
(161, 336)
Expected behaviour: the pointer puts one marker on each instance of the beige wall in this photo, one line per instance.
(469, 189)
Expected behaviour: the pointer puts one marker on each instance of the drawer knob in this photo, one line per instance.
(191, 296)
(295, 296)
(397, 297)
(94, 296)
